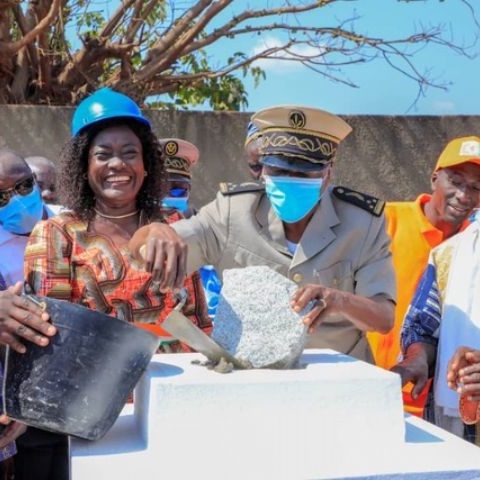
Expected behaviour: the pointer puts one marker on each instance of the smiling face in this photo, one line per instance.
(456, 192)
(115, 169)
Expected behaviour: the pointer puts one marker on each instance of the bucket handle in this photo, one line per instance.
(39, 303)
(181, 296)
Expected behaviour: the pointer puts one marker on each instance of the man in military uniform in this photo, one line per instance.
(331, 241)
(180, 157)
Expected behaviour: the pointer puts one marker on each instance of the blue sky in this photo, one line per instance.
(381, 90)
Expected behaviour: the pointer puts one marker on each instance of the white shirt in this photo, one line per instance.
(292, 247)
(12, 250)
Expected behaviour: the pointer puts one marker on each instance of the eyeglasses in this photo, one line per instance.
(178, 192)
(23, 188)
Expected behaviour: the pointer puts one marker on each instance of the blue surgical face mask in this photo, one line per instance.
(178, 203)
(292, 198)
(21, 213)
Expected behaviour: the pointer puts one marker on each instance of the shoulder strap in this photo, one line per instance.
(228, 188)
(366, 202)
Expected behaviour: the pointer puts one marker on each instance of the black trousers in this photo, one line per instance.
(6, 470)
(41, 456)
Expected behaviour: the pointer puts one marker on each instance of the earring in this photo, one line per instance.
(145, 173)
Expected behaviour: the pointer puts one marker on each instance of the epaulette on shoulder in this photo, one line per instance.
(366, 202)
(228, 188)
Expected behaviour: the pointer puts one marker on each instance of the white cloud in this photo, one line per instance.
(277, 64)
(443, 106)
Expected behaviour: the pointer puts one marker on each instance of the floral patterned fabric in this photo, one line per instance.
(64, 260)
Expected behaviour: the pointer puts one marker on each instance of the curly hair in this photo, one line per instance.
(74, 189)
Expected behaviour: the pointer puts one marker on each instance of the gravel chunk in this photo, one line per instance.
(254, 321)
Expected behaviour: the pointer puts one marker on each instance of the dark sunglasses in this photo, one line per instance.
(178, 192)
(23, 188)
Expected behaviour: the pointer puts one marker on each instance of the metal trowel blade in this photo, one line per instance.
(187, 332)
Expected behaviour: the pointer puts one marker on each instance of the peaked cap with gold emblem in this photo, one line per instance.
(180, 156)
(299, 138)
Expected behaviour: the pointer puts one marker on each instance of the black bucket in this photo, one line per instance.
(79, 383)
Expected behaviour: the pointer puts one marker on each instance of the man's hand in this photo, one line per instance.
(457, 362)
(464, 373)
(326, 300)
(367, 314)
(21, 319)
(164, 253)
(12, 432)
(415, 366)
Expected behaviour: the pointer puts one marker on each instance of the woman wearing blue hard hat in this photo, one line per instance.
(112, 180)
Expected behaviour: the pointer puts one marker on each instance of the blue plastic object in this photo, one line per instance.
(103, 105)
(212, 286)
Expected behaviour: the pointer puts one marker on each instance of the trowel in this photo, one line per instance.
(182, 328)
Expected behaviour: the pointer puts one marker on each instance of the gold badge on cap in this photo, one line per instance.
(297, 119)
(171, 148)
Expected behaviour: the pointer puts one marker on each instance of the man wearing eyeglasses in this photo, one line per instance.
(21, 207)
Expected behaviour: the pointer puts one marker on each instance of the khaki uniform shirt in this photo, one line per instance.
(343, 247)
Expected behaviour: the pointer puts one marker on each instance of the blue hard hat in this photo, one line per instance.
(103, 105)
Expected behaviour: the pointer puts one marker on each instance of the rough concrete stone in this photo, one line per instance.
(254, 321)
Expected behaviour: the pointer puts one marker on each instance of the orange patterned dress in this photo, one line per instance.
(65, 261)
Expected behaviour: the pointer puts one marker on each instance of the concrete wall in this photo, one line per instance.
(391, 157)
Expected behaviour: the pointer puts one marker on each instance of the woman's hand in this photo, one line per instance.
(164, 253)
(327, 301)
(12, 432)
(22, 319)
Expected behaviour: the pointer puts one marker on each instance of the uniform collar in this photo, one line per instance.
(318, 234)
(271, 227)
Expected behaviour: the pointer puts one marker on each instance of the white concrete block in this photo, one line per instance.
(336, 418)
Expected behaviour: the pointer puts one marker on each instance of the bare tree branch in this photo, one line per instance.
(177, 49)
(114, 21)
(49, 18)
(149, 47)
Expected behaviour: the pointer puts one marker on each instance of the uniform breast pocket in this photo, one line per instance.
(338, 276)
